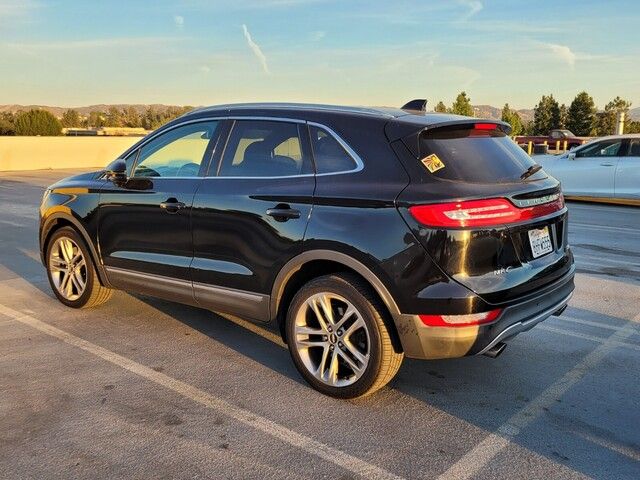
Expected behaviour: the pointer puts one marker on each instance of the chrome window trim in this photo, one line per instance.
(356, 158)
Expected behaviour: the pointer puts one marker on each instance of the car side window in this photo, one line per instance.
(264, 148)
(634, 148)
(177, 152)
(605, 148)
(556, 134)
(329, 155)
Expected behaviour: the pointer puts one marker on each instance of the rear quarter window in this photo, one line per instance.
(474, 155)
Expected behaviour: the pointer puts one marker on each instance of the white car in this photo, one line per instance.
(606, 169)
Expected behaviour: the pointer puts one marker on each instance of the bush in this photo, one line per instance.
(37, 122)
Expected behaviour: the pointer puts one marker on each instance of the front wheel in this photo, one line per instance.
(71, 272)
(338, 337)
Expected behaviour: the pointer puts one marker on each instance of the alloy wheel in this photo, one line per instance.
(68, 268)
(332, 339)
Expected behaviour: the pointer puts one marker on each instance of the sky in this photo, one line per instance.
(355, 52)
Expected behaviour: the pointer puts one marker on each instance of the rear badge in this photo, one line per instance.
(433, 163)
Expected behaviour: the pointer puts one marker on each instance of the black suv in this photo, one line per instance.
(365, 234)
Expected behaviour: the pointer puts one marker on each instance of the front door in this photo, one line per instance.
(592, 172)
(144, 222)
(249, 217)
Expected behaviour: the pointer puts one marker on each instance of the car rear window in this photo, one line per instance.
(477, 155)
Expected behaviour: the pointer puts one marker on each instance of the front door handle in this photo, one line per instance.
(172, 205)
(606, 164)
(282, 213)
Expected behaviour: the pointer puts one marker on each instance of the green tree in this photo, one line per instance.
(96, 119)
(563, 116)
(114, 118)
(440, 107)
(131, 118)
(513, 119)
(70, 119)
(606, 124)
(7, 124)
(37, 122)
(632, 126)
(581, 116)
(462, 105)
(546, 115)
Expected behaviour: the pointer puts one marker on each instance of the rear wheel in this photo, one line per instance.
(71, 272)
(338, 338)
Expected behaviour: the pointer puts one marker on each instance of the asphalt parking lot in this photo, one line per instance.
(142, 388)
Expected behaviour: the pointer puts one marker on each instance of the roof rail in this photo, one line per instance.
(419, 105)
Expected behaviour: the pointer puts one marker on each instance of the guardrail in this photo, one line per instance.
(38, 153)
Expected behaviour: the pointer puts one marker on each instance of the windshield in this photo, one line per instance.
(466, 154)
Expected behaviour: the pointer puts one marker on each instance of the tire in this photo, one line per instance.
(77, 286)
(356, 335)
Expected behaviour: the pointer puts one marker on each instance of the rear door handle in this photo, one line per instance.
(283, 213)
(172, 205)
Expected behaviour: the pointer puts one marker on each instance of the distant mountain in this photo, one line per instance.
(494, 113)
(58, 111)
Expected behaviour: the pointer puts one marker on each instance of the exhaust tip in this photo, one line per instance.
(496, 350)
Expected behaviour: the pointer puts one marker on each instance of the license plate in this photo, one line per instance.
(540, 241)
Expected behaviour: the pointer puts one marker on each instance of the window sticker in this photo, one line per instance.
(433, 163)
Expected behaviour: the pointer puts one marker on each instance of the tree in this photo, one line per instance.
(513, 119)
(7, 124)
(581, 115)
(606, 124)
(546, 115)
(96, 119)
(70, 119)
(131, 118)
(632, 126)
(114, 118)
(462, 105)
(440, 107)
(563, 116)
(37, 122)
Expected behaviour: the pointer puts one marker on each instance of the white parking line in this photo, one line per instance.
(589, 323)
(594, 338)
(588, 226)
(473, 461)
(353, 464)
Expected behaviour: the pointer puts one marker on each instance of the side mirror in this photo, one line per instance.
(117, 170)
(571, 156)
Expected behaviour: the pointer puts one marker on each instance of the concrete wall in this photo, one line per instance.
(37, 153)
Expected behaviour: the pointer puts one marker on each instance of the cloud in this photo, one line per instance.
(16, 9)
(473, 7)
(204, 69)
(179, 21)
(255, 48)
(563, 53)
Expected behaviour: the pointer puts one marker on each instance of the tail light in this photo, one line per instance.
(467, 320)
(481, 213)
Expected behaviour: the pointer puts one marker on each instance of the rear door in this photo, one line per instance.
(145, 221)
(250, 214)
(628, 172)
(592, 172)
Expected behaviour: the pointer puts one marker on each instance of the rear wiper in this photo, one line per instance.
(530, 171)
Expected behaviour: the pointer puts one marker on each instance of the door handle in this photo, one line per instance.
(605, 164)
(282, 213)
(172, 205)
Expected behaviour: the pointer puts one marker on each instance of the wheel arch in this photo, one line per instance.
(58, 220)
(315, 263)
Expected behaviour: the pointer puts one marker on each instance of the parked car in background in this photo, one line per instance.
(554, 136)
(364, 234)
(607, 168)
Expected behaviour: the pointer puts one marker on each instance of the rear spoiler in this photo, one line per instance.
(409, 131)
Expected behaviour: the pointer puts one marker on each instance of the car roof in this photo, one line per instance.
(388, 113)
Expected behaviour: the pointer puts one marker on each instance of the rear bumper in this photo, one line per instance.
(425, 342)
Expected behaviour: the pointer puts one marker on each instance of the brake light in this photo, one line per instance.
(485, 126)
(481, 213)
(467, 320)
